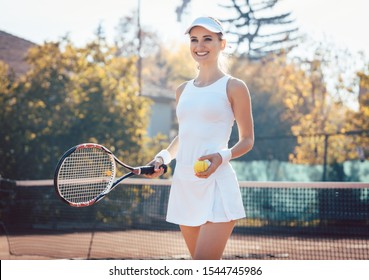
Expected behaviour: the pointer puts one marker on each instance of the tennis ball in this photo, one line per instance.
(201, 166)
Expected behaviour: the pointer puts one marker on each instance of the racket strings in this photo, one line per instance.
(85, 174)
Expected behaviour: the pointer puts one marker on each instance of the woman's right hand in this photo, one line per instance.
(158, 170)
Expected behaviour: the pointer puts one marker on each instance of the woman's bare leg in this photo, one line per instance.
(190, 235)
(212, 240)
(208, 241)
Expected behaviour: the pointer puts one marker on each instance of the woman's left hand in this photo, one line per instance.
(215, 161)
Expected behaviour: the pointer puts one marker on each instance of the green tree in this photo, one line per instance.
(323, 120)
(169, 67)
(132, 38)
(319, 111)
(71, 95)
(267, 93)
(7, 101)
(33, 121)
(259, 31)
(358, 120)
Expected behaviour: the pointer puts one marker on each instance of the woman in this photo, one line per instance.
(206, 205)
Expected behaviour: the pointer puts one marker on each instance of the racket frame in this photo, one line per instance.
(112, 183)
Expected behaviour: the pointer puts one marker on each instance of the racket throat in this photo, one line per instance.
(136, 171)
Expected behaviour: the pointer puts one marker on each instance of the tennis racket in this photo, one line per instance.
(86, 173)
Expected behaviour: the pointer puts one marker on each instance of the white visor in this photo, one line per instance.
(208, 23)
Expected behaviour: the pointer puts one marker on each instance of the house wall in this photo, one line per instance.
(161, 120)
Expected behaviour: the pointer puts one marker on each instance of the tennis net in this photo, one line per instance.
(285, 220)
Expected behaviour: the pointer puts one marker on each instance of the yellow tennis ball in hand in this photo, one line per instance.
(201, 166)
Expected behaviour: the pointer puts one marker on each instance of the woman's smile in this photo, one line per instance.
(201, 53)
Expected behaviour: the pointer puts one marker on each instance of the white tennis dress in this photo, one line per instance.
(205, 120)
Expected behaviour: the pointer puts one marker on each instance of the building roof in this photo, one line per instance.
(13, 50)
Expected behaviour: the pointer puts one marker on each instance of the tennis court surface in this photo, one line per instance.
(285, 221)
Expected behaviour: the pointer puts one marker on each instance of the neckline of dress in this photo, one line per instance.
(193, 82)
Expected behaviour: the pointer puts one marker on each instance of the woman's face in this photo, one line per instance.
(205, 45)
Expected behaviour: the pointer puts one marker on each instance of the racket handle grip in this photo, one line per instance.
(150, 169)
